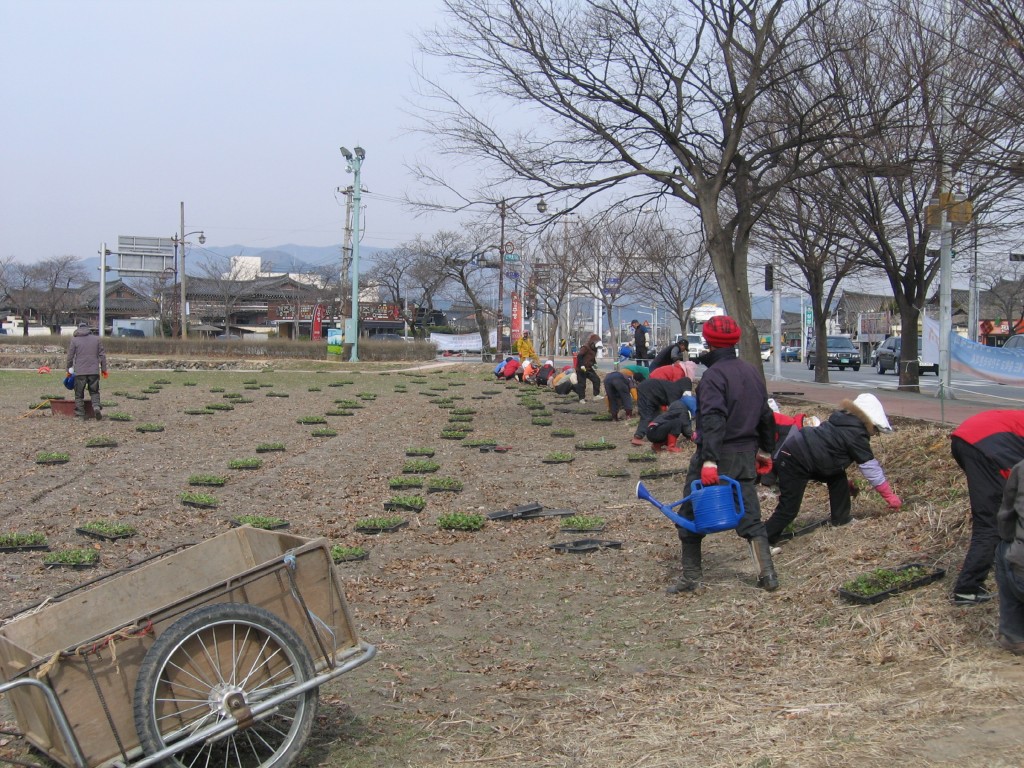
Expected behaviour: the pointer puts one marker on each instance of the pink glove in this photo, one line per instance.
(709, 474)
(763, 463)
(106, 375)
(885, 491)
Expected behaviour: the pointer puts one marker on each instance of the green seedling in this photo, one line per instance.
(461, 521)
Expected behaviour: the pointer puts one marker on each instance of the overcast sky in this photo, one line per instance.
(117, 110)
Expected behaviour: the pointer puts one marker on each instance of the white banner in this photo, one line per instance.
(965, 356)
(462, 342)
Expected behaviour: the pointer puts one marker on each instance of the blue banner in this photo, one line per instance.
(993, 363)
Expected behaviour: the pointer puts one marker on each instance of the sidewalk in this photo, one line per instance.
(905, 404)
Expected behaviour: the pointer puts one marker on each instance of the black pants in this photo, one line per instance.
(793, 479)
(92, 381)
(581, 382)
(740, 467)
(985, 488)
(616, 388)
(647, 407)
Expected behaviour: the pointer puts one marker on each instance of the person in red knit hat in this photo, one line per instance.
(735, 436)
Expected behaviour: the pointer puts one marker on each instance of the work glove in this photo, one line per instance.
(885, 491)
(583, 369)
(763, 463)
(71, 371)
(709, 473)
(105, 375)
(854, 490)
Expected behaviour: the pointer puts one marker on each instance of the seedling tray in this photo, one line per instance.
(391, 506)
(52, 461)
(585, 546)
(72, 566)
(595, 529)
(103, 536)
(352, 558)
(878, 597)
(516, 512)
(372, 530)
(277, 527)
(804, 529)
(27, 548)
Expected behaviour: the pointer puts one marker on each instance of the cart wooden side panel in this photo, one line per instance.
(117, 621)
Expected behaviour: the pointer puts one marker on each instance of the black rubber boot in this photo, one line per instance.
(761, 551)
(692, 571)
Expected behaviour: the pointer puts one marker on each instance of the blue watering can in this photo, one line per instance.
(715, 507)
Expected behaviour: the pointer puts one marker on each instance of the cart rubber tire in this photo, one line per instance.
(216, 651)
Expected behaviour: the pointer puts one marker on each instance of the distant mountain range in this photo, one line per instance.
(280, 258)
(308, 258)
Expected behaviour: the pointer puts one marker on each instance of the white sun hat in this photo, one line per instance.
(873, 408)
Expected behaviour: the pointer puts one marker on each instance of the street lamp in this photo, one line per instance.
(355, 164)
(179, 244)
(504, 249)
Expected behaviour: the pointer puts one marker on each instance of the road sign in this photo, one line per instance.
(511, 274)
(511, 256)
(509, 247)
(144, 255)
(808, 316)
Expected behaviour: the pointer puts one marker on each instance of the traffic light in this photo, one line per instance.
(769, 277)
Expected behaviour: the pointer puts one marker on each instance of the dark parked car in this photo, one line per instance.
(842, 353)
(887, 356)
(791, 354)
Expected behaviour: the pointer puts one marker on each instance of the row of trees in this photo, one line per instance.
(614, 259)
(807, 133)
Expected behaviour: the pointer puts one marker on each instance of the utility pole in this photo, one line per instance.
(184, 318)
(346, 249)
(502, 211)
(355, 164)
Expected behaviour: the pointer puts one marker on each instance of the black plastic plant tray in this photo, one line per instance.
(595, 529)
(585, 546)
(370, 530)
(50, 462)
(352, 558)
(283, 524)
(104, 536)
(662, 473)
(199, 504)
(72, 566)
(27, 548)
(515, 512)
(391, 506)
(557, 461)
(878, 597)
(613, 473)
(804, 529)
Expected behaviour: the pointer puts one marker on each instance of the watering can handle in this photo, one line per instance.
(697, 485)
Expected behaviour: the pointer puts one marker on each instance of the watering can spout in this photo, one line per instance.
(666, 509)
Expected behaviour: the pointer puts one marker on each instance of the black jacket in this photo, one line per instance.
(830, 448)
(733, 412)
(667, 356)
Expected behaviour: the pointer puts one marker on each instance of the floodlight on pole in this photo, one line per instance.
(355, 163)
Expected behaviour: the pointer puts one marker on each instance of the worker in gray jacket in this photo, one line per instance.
(87, 361)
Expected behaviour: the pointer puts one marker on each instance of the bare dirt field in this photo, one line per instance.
(497, 650)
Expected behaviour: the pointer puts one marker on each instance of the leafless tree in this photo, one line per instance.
(678, 269)
(390, 272)
(462, 259)
(804, 237)
(226, 280)
(55, 283)
(955, 128)
(1005, 292)
(556, 270)
(646, 98)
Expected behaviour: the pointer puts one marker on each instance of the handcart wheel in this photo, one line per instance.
(213, 664)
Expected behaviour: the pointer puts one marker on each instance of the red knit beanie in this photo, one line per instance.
(721, 331)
